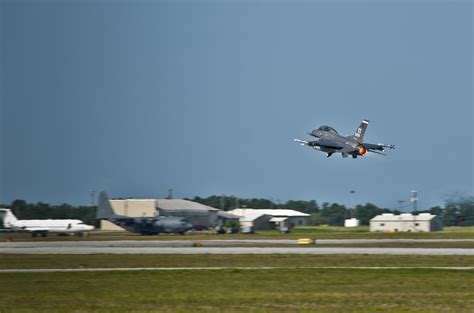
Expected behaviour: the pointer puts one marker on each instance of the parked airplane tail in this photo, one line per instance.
(9, 219)
(104, 209)
(360, 132)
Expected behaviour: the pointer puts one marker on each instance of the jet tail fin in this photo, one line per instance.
(9, 219)
(104, 209)
(360, 132)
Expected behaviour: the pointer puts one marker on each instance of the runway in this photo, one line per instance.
(218, 247)
(209, 243)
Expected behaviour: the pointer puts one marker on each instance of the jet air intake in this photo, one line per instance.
(362, 150)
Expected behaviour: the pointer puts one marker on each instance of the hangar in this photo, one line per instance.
(131, 208)
(197, 214)
(406, 222)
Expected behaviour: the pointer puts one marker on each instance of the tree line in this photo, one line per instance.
(457, 211)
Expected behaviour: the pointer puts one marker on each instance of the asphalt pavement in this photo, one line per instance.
(222, 247)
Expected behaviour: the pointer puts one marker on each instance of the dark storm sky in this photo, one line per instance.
(206, 97)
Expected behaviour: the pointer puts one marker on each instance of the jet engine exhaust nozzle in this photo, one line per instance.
(362, 150)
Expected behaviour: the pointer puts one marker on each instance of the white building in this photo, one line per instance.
(281, 218)
(351, 222)
(406, 222)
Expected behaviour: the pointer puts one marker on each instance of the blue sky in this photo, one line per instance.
(206, 97)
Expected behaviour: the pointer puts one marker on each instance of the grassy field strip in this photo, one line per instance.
(237, 290)
(126, 269)
(49, 261)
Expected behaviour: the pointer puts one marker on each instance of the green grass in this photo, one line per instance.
(279, 260)
(286, 290)
(293, 289)
(328, 232)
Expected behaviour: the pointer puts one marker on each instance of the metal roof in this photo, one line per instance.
(274, 213)
(227, 215)
(404, 217)
(131, 199)
(250, 217)
(164, 204)
(182, 205)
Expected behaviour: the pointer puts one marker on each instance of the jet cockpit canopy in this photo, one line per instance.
(327, 129)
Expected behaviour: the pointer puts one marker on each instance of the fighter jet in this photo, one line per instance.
(142, 225)
(331, 142)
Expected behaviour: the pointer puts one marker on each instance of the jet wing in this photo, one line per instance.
(33, 229)
(322, 143)
(330, 144)
(338, 147)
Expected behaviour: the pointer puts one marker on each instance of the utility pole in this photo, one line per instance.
(223, 202)
(414, 200)
(352, 210)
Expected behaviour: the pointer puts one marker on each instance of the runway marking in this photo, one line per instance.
(127, 269)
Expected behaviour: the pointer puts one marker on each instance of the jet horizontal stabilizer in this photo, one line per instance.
(379, 146)
(373, 151)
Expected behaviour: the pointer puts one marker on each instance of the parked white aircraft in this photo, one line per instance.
(44, 227)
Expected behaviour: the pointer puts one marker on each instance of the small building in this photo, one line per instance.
(278, 218)
(351, 222)
(406, 222)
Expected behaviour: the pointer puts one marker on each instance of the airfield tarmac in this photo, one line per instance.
(225, 247)
(223, 242)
